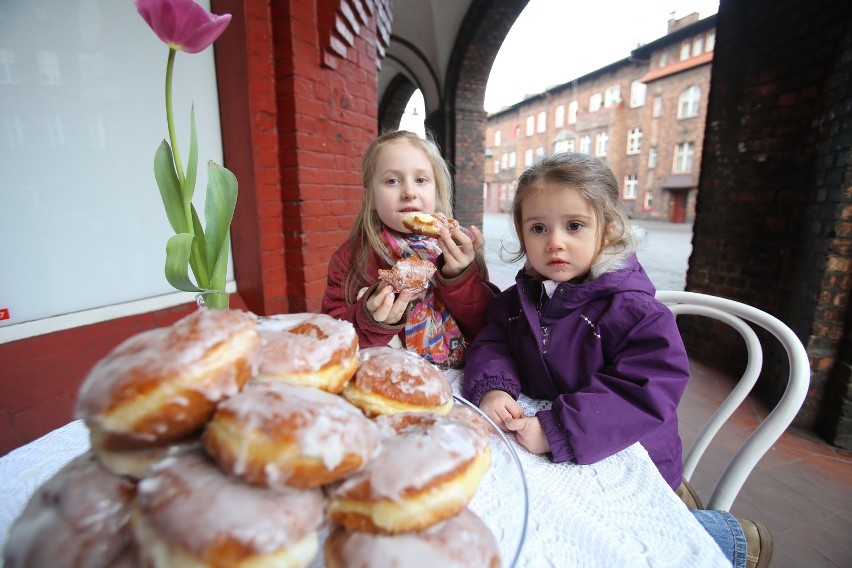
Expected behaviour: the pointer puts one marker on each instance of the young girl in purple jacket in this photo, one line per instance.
(581, 328)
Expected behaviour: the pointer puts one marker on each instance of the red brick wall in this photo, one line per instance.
(298, 104)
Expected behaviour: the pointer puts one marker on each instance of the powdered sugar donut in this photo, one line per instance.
(392, 380)
(462, 541)
(411, 274)
(79, 517)
(427, 470)
(189, 513)
(162, 385)
(274, 434)
(314, 350)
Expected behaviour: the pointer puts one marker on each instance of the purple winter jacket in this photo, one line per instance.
(606, 352)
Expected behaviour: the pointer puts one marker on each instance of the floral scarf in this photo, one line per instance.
(430, 329)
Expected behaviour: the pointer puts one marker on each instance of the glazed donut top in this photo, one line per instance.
(462, 541)
(193, 503)
(81, 515)
(401, 375)
(323, 425)
(417, 450)
(140, 363)
(304, 342)
(412, 273)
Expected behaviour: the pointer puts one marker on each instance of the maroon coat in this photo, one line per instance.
(466, 296)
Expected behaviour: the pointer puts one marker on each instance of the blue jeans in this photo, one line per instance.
(727, 532)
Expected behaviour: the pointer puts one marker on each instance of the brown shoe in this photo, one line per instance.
(688, 495)
(759, 544)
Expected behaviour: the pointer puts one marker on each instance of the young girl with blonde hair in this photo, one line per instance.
(403, 173)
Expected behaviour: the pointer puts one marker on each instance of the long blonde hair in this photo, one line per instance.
(595, 181)
(364, 236)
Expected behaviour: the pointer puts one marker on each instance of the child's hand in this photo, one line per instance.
(500, 407)
(459, 247)
(385, 307)
(529, 434)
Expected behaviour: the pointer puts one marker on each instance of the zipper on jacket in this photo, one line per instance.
(545, 337)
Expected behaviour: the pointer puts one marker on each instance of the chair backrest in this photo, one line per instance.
(737, 314)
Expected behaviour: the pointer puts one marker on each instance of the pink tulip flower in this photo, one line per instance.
(183, 25)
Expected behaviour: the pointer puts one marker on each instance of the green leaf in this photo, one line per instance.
(202, 271)
(192, 163)
(218, 213)
(170, 192)
(178, 249)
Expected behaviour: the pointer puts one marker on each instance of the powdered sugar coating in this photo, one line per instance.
(191, 504)
(401, 375)
(80, 517)
(412, 274)
(304, 342)
(462, 541)
(314, 423)
(417, 448)
(142, 361)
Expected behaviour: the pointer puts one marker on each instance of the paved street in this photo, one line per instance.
(665, 254)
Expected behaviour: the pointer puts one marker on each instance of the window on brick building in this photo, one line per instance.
(565, 145)
(528, 157)
(711, 41)
(689, 102)
(601, 144)
(559, 117)
(530, 125)
(539, 152)
(697, 45)
(664, 59)
(513, 159)
(652, 157)
(595, 102)
(586, 144)
(497, 137)
(649, 201)
(541, 123)
(573, 107)
(496, 166)
(658, 105)
(684, 157)
(631, 184)
(634, 140)
(516, 131)
(637, 93)
(612, 96)
(684, 49)
(504, 160)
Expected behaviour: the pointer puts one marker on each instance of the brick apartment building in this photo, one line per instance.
(644, 114)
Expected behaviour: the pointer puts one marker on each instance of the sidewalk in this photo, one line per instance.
(801, 489)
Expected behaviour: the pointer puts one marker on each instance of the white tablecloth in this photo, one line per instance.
(616, 513)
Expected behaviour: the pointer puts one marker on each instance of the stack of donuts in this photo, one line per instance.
(231, 440)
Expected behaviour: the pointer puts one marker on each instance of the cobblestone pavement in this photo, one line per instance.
(664, 254)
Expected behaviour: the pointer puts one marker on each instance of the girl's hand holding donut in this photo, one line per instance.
(500, 407)
(459, 246)
(386, 307)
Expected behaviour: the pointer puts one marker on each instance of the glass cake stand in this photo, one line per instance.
(502, 498)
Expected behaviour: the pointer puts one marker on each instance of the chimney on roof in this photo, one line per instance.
(675, 25)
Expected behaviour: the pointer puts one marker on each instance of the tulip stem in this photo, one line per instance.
(195, 263)
(170, 67)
